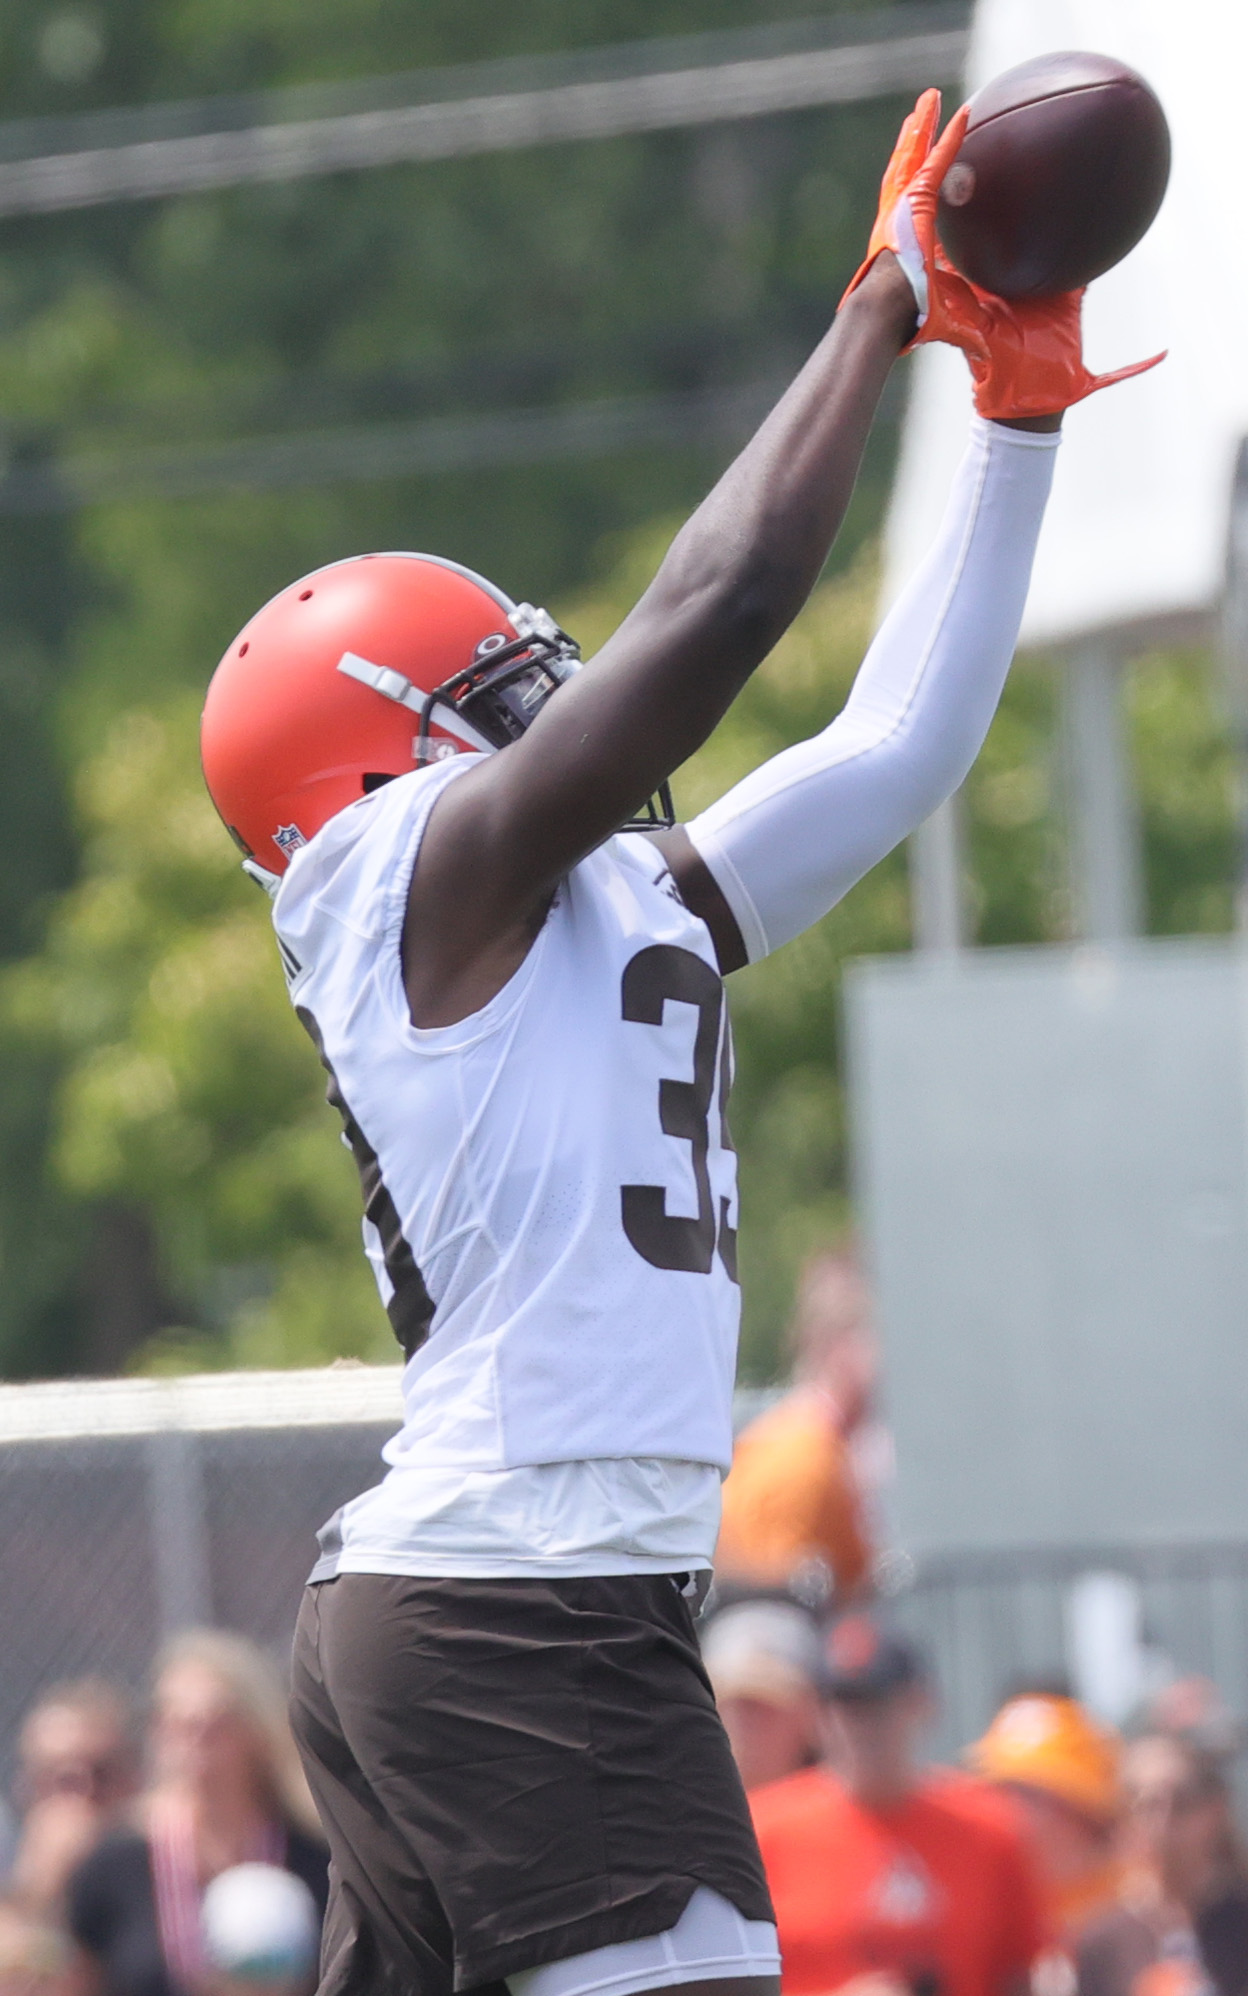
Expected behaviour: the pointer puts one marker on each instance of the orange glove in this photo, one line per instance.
(1025, 355)
(905, 222)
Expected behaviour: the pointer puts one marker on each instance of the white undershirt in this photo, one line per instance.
(549, 1519)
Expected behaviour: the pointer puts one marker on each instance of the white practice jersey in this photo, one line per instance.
(550, 1190)
(549, 1185)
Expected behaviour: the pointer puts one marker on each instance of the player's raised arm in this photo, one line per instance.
(503, 835)
(784, 845)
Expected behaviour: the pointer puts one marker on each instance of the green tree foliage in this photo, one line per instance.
(674, 261)
(187, 1091)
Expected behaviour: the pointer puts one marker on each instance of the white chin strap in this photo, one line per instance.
(383, 679)
(394, 686)
(262, 877)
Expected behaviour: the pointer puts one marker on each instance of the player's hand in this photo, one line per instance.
(905, 221)
(1026, 356)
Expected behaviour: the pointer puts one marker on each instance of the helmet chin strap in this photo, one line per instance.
(262, 877)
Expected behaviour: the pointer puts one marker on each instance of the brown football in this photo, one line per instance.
(1063, 167)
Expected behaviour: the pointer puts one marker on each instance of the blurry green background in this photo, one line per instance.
(171, 1191)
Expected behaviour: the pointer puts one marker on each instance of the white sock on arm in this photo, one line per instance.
(787, 842)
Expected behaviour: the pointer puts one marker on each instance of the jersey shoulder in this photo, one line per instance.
(352, 878)
(630, 875)
(639, 853)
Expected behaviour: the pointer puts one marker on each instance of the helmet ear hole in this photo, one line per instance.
(373, 780)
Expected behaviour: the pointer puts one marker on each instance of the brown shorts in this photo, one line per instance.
(510, 1772)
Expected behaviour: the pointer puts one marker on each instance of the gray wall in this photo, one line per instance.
(1051, 1155)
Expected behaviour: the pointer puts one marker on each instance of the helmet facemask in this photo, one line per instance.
(508, 683)
(505, 688)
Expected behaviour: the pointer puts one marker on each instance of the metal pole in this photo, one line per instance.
(1106, 881)
(176, 1507)
(937, 896)
(1234, 650)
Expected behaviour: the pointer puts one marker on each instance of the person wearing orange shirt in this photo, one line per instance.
(1061, 1769)
(887, 1878)
(792, 1509)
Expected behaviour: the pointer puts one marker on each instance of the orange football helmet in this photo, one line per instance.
(360, 672)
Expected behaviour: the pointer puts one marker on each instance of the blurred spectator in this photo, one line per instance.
(77, 1766)
(1062, 1770)
(261, 1932)
(1182, 1926)
(227, 1789)
(889, 1879)
(34, 1960)
(763, 1658)
(792, 1506)
(1193, 1709)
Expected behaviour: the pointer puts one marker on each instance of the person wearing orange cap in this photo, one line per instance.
(1062, 1769)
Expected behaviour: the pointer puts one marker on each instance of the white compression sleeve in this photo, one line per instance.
(785, 844)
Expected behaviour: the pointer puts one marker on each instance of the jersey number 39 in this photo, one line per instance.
(671, 1240)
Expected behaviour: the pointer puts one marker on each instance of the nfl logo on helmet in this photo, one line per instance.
(288, 839)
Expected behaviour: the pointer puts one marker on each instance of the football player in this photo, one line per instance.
(512, 972)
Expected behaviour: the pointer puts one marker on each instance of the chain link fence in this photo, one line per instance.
(133, 1508)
